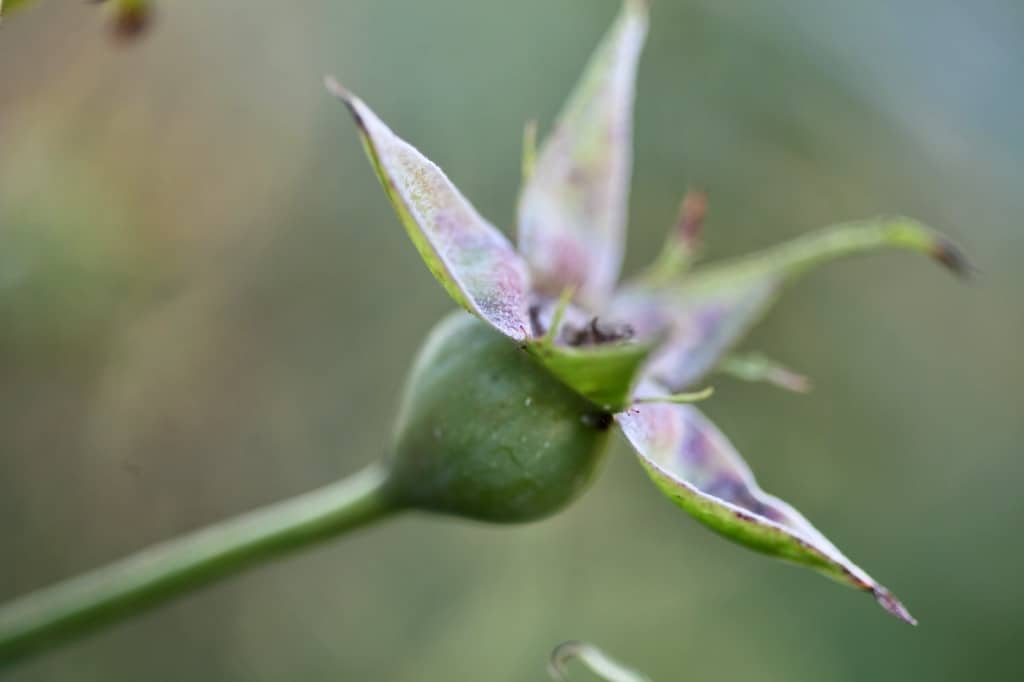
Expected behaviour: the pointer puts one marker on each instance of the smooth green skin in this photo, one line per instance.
(485, 432)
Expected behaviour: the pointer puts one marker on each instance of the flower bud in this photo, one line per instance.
(485, 432)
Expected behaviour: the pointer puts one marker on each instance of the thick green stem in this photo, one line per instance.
(46, 618)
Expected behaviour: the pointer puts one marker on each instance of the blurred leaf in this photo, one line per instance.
(696, 467)
(8, 6)
(131, 17)
(70, 261)
(572, 211)
(474, 261)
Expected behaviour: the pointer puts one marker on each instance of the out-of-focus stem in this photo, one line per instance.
(45, 618)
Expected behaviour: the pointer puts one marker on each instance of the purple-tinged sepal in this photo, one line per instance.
(472, 259)
(696, 467)
(713, 307)
(572, 210)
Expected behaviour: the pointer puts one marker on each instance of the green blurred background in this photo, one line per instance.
(206, 304)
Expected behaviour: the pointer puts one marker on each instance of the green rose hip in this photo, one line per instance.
(485, 432)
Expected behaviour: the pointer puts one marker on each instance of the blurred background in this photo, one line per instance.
(206, 304)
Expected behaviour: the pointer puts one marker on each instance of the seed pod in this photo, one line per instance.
(485, 432)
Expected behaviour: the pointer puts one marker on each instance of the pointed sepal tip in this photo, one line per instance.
(888, 601)
(953, 258)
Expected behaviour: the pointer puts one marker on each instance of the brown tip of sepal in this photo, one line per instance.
(888, 601)
(953, 258)
(335, 88)
(692, 211)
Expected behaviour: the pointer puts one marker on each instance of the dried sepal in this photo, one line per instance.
(712, 308)
(696, 467)
(572, 210)
(471, 258)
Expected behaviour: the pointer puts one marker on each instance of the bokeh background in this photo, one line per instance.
(206, 304)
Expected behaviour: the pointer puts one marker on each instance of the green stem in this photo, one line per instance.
(46, 618)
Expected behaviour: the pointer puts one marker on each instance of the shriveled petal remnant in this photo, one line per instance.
(572, 211)
(699, 470)
(471, 258)
(712, 308)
